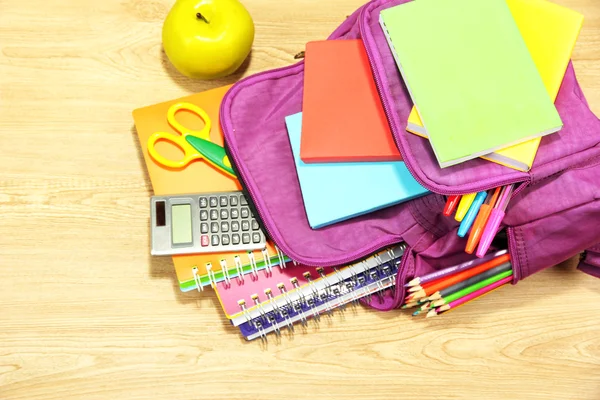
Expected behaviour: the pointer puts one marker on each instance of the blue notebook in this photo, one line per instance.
(335, 192)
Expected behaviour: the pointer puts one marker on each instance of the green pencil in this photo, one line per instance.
(471, 281)
(471, 289)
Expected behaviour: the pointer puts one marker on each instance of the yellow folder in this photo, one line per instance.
(550, 32)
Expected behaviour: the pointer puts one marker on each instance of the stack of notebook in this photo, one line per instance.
(346, 158)
(483, 75)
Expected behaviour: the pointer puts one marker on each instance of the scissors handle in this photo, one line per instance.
(189, 152)
(204, 133)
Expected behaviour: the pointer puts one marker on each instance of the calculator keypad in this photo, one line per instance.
(226, 220)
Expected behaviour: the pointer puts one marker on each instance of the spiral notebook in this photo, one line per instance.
(242, 295)
(310, 286)
(198, 177)
(374, 275)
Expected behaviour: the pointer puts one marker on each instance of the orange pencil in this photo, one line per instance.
(429, 284)
(480, 221)
(453, 279)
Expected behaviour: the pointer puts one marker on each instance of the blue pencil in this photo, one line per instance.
(466, 223)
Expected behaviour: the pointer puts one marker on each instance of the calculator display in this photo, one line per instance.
(181, 224)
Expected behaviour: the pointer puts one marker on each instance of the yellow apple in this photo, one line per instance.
(207, 39)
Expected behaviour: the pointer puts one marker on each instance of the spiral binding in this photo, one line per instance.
(336, 288)
(211, 276)
(281, 258)
(223, 264)
(199, 286)
(267, 259)
(374, 275)
(253, 265)
(290, 305)
(242, 304)
(310, 296)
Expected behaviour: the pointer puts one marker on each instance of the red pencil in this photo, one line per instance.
(451, 205)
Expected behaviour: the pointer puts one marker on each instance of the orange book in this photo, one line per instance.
(342, 115)
(197, 177)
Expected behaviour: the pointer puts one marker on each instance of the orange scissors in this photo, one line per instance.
(194, 144)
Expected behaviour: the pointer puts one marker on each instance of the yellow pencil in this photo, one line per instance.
(464, 205)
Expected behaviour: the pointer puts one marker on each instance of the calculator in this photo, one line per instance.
(204, 223)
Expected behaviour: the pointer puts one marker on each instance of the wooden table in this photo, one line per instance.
(87, 313)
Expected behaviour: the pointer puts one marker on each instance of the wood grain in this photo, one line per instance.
(86, 313)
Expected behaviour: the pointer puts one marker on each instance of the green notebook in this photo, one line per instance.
(470, 76)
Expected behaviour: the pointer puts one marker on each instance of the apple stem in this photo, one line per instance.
(202, 17)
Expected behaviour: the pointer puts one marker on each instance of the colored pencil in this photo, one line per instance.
(451, 205)
(454, 269)
(452, 279)
(480, 221)
(471, 281)
(417, 291)
(473, 288)
(463, 300)
(494, 221)
(415, 288)
(410, 305)
(469, 218)
(463, 206)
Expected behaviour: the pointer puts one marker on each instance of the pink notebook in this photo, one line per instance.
(246, 293)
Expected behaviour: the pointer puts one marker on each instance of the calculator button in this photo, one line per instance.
(246, 238)
(235, 213)
(243, 200)
(203, 215)
(225, 240)
(224, 214)
(224, 227)
(245, 225)
(223, 201)
(233, 200)
(214, 227)
(214, 240)
(214, 215)
(203, 202)
(255, 225)
(213, 202)
(204, 227)
(235, 238)
(245, 212)
(256, 237)
(204, 240)
(235, 226)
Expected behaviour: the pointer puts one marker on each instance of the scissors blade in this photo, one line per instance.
(213, 153)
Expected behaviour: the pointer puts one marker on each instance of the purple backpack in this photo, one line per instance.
(554, 213)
